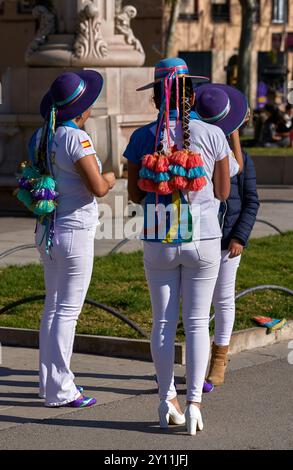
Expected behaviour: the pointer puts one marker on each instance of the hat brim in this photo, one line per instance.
(195, 79)
(94, 84)
(238, 111)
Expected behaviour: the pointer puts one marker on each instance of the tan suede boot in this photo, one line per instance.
(218, 364)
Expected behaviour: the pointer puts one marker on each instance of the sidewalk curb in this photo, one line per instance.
(243, 340)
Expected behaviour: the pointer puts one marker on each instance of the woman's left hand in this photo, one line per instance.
(235, 248)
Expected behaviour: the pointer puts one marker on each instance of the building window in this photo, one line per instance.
(280, 11)
(1, 7)
(189, 10)
(220, 11)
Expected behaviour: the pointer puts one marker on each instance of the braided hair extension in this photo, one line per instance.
(186, 109)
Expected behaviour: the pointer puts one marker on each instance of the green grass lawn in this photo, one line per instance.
(269, 152)
(263, 151)
(118, 281)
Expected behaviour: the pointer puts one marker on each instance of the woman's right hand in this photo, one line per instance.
(110, 179)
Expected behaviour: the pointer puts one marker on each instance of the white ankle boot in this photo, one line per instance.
(193, 419)
(168, 414)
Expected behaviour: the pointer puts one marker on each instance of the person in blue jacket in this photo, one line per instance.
(238, 215)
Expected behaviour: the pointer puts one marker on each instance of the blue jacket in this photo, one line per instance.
(241, 206)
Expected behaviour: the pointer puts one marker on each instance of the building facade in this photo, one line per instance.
(208, 34)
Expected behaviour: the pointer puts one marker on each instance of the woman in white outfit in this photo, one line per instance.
(182, 236)
(239, 211)
(67, 246)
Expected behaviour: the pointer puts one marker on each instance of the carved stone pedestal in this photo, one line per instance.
(102, 37)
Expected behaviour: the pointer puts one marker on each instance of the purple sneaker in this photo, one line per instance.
(79, 388)
(82, 402)
(207, 387)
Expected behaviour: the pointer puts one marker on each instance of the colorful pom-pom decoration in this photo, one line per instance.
(180, 157)
(177, 170)
(36, 191)
(44, 195)
(24, 183)
(179, 183)
(197, 184)
(44, 182)
(194, 160)
(25, 197)
(148, 186)
(161, 177)
(150, 161)
(28, 171)
(164, 174)
(162, 164)
(44, 207)
(164, 188)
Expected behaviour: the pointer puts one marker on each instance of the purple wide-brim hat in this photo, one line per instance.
(221, 105)
(72, 93)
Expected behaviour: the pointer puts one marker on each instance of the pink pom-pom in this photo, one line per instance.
(164, 188)
(148, 186)
(149, 161)
(179, 183)
(194, 160)
(162, 165)
(179, 158)
(197, 184)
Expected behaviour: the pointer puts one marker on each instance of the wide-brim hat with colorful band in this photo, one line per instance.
(221, 105)
(72, 94)
(173, 64)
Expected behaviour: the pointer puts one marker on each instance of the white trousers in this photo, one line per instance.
(67, 277)
(190, 271)
(224, 299)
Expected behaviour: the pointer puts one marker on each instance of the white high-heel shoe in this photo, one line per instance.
(168, 414)
(193, 419)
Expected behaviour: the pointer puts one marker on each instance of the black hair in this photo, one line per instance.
(185, 95)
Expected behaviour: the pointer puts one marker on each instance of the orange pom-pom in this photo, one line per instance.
(197, 184)
(179, 158)
(162, 165)
(179, 183)
(149, 161)
(194, 160)
(148, 186)
(164, 188)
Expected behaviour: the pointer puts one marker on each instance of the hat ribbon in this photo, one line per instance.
(219, 116)
(75, 96)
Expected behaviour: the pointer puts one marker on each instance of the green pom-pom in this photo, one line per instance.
(30, 173)
(44, 207)
(45, 182)
(24, 196)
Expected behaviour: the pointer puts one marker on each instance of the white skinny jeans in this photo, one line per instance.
(190, 271)
(67, 277)
(224, 299)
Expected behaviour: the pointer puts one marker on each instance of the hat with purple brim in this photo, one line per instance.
(72, 94)
(172, 66)
(221, 105)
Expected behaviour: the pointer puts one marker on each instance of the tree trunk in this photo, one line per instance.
(174, 15)
(249, 7)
